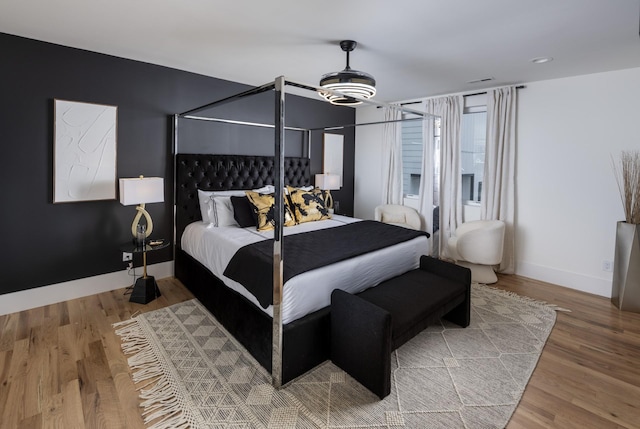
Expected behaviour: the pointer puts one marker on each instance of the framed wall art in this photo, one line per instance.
(332, 159)
(84, 153)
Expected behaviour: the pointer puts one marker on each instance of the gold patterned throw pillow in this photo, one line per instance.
(308, 206)
(264, 206)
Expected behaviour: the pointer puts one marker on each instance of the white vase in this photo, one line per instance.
(625, 292)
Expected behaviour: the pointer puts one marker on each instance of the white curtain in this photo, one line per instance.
(450, 111)
(426, 201)
(498, 188)
(392, 158)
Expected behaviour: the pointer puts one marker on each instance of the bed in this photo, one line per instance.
(201, 259)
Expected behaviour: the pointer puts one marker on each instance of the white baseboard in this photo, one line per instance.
(593, 285)
(51, 294)
(46, 295)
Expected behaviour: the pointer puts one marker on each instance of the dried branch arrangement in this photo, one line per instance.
(628, 177)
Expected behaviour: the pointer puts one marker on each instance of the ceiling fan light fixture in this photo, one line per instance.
(541, 60)
(347, 82)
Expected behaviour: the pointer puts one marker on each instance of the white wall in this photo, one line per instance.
(568, 201)
(367, 187)
(567, 198)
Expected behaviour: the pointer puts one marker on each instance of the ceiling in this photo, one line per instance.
(414, 48)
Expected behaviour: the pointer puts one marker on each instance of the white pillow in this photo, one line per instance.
(223, 211)
(207, 207)
(270, 189)
(216, 208)
(267, 189)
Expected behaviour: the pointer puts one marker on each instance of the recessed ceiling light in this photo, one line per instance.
(484, 79)
(541, 60)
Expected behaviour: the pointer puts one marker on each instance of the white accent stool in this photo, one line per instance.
(478, 245)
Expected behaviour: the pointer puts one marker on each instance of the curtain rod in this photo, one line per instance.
(464, 95)
(484, 92)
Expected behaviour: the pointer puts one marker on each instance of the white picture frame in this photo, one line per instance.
(84, 151)
(332, 159)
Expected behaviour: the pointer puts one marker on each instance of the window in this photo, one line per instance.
(412, 146)
(412, 152)
(473, 139)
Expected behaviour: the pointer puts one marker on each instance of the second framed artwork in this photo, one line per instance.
(332, 157)
(84, 153)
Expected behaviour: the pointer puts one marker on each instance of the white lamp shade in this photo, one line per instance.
(141, 190)
(328, 181)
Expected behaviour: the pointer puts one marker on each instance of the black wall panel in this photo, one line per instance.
(45, 243)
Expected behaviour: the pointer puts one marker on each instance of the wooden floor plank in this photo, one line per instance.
(5, 366)
(587, 377)
(547, 411)
(53, 412)
(8, 334)
(32, 422)
(68, 354)
(128, 400)
(34, 372)
(72, 410)
(13, 412)
(110, 411)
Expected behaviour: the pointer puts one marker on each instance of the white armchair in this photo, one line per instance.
(396, 214)
(478, 246)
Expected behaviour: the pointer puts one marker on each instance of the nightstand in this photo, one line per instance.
(145, 288)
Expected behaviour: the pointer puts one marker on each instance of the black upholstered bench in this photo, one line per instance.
(367, 327)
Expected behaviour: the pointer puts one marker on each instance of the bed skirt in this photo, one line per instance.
(306, 341)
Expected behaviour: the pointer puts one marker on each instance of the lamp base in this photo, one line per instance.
(328, 200)
(145, 290)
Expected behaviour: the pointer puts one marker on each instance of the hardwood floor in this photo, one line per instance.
(589, 373)
(61, 365)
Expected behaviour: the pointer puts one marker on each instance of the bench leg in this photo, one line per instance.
(461, 315)
(361, 341)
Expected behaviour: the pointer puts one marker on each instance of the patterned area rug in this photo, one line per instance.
(192, 373)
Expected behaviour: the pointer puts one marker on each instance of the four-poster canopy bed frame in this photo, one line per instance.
(306, 338)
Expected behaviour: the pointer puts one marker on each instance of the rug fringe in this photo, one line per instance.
(162, 408)
(526, 298)
(124, 322)
(161, 403)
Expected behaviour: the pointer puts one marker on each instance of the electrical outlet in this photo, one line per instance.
(127, 256)
(607, 266)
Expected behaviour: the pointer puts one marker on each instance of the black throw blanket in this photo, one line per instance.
(252, 265)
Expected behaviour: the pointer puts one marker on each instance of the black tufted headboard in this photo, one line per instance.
(224, 172)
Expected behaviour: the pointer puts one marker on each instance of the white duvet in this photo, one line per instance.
(310, 291)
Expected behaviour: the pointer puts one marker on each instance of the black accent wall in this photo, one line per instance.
(45, 243)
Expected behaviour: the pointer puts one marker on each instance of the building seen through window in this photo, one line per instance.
(473, 138)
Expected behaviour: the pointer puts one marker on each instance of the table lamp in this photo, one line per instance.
(141, 191)
(328, 182)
